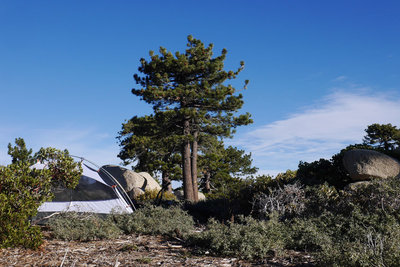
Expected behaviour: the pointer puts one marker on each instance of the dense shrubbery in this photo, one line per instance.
(150, 219)
(350, 228)
(339, 228)
(21, 192)
(247, 238)
(237, 196)
(82, 226)
(173, 222)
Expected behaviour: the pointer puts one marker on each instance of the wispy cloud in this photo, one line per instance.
(320, 131)
(340, 78)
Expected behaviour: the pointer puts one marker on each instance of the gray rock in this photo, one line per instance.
(364, 165)
(134, 183)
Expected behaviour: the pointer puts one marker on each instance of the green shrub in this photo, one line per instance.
(23, 190)
(350, 228)
(308, 235)
(236, 196)
(248, 238)
(150, 219)
(153, 194)
(357, 243)
(82, 226)
(221, 209)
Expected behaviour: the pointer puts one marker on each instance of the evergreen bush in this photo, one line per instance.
(247, 238)
(22, 190)
(82, 226)
(172, 221)
(153, 194)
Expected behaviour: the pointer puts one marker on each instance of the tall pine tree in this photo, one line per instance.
(193, 86)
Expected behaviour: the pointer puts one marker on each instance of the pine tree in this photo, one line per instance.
(192, 85)
(19, 152)
(385, 136)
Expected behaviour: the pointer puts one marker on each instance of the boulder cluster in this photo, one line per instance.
(136, 183)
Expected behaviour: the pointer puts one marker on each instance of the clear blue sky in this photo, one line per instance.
(319, 71)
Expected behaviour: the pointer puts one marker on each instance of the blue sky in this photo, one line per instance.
(319, 71)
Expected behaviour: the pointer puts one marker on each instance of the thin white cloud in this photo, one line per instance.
(340, 78)
(321, 131)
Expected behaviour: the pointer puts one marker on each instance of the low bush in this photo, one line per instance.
(247, 238)
(172, 221)
(221, 209)
(236, 196)
(153, 194)
(22, 190)
(349, 241)
(350, 228)
(82, 226)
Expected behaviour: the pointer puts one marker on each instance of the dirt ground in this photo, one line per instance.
(133, 250)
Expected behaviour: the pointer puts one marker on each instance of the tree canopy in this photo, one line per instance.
(384, 136)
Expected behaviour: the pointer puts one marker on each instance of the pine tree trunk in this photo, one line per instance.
(186, 164)
(194, 166)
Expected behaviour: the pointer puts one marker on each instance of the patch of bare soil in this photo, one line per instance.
(133, 250)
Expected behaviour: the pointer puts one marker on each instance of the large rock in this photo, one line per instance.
(364, 165)
(134, 183)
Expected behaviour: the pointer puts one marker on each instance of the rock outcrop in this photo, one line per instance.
(134, 183)
(364, 165)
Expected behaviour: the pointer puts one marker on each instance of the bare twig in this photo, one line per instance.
(65, 256)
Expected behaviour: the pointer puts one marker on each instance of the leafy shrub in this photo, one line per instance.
(23, 190)
(308, 234)
(153, 194)
(322, 171)
(82, 226)
(361, 240)
(248, 238)
(221, 209)
(235, 196)
(350, 228)
(150, 219)
(377, 196)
